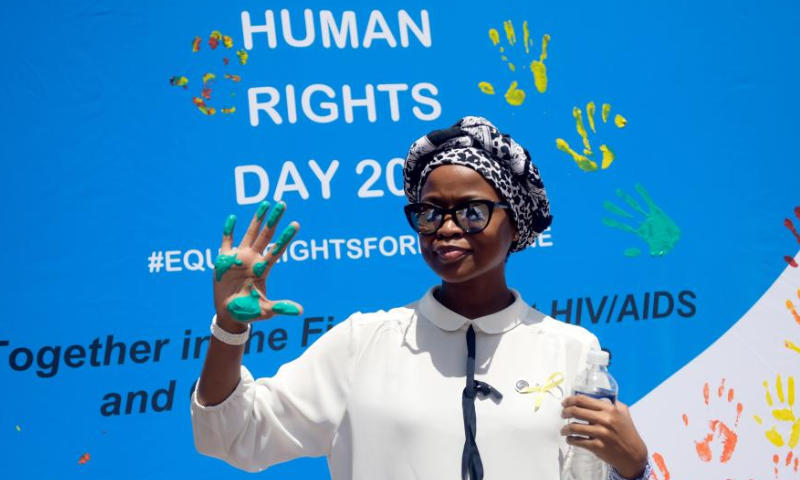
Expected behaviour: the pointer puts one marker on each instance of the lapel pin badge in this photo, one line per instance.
(551, 386)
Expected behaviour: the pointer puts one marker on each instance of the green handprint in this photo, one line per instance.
(657, 229)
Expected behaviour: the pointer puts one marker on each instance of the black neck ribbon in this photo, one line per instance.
(471, 465)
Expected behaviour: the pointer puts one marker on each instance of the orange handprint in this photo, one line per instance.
(787, 462)
(725, 435)
(790, 305)
(661, 466)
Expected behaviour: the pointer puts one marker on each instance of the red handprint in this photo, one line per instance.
(788, 224)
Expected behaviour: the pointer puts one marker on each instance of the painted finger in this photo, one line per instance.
(259, 268)
(266, 234)
(225, 261)
(255, 225)
(227, 233)
(286, 307)
(283, 241)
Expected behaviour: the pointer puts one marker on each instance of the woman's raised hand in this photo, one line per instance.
(240, 276)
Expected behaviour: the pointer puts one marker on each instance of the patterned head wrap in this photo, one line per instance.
(475, 143)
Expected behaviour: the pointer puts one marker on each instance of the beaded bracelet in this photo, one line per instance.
(227, 337)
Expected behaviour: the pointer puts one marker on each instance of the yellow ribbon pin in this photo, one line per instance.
(553, 382)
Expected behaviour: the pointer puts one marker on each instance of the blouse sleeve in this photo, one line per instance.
(614, 475)
(295, 413)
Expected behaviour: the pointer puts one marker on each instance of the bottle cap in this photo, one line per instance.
(597, 357)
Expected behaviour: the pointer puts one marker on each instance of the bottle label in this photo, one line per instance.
(599, 393)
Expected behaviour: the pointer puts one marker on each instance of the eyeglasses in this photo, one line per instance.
(471, 217)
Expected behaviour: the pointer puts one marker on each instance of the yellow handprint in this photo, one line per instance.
(585, 161)
(787, 432)
(516, 96)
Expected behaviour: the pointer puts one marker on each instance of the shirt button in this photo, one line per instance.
(521, 384)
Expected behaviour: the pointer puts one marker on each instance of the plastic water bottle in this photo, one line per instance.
(595, 382)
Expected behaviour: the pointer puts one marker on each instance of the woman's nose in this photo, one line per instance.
(449, 227)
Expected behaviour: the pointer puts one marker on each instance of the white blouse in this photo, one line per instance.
(380, 396)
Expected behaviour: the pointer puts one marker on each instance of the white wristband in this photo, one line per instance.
(228, 337)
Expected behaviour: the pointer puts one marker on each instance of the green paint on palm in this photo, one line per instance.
(223, 263)
(658, 230)
(285, 308)
(259, 268)
(285, 237)
(262, 209)
(229, 223)
(245, 307)
(275, 214)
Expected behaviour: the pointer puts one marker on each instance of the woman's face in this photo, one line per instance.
(454, 255)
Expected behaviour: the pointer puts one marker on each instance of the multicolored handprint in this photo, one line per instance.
(210, 84)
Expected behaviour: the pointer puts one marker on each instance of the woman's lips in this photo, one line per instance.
(451, 254)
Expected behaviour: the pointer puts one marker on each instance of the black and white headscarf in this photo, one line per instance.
(475, 143)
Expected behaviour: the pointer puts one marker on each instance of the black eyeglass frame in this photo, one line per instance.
(491, 204)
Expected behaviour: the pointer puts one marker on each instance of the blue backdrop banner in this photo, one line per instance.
(133, 129)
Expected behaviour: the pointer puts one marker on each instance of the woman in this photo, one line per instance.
(378, 394)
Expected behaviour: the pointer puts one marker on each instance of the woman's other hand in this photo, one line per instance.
(612, 436)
